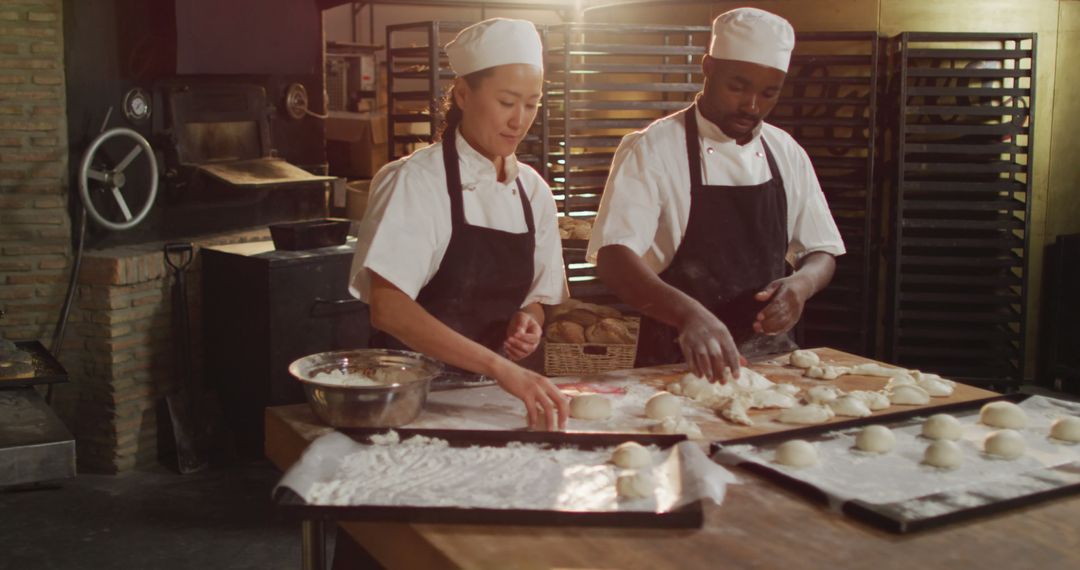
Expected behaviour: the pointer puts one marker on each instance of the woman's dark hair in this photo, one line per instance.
(451, 113)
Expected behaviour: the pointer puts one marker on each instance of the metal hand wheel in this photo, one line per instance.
(113, 180)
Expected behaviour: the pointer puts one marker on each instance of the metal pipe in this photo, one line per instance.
(312, 545)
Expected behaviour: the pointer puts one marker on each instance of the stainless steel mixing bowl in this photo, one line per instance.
(393, 404)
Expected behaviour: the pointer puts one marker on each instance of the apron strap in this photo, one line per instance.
(693, 146)
(525, 207)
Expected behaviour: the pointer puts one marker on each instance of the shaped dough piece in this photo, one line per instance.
(1004, 443)
(1003, 415)
(827, 372)
(805, 359)
(785, 388)
(909, 395)
(822, 394)
(590, 407)
(943, 453)
(1066, 429)
(875, 439)
(663, 405)
(748, 379)
(796, 453)
(678, 425)
(689, 385)
(874, 400)
(808, 414)
(734, 410)
(631, 455)
(935, 387)
(850, 406)
(634, 485)
(901, 380)
(942, 426)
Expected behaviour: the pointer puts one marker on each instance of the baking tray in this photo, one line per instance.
(894, 517)
(47, 370)
(687, 516)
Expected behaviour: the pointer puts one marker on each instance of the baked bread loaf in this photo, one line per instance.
(609, 331)
(566, 332)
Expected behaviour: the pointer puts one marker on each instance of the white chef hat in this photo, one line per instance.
(497, 41)
(753, 35)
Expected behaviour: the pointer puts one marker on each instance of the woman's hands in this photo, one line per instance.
(546, 408)
(522, 335)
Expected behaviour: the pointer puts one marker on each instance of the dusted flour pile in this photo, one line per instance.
(380, 377)
(428, 472)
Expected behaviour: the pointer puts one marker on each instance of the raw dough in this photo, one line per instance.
(875, 439)
(796, 453)
(1003, 415)
(942, 426)
(901, 380)
(822, 394)
(678, 425)
(920, 376)
(590, 407)
(808, 414)
(909, 395)
(849, 406)
(631, 455)
(634, 485)
(943, 453)
(935, 387)
(1066, 429)
(663, 405)
(805, 358)
(1004, 443)
(735, 411)
(827, 372)
(772, 398)
(566, 331)
(785, 388)
(689, 385)
(874, 400)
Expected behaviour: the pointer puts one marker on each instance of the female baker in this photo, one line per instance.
(459, 246)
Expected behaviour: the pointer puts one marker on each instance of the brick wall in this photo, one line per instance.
(34, 225)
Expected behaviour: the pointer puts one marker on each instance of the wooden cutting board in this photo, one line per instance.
(779, 371)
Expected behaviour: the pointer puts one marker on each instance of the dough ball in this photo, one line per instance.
(942, 426)
(567, 332)
(631, 455)
(1003, 415)
(805, 359)
(874, 400)
(822, 394)
(1066, 429)
(849, 406)
(609, 331)
(796, 453)
(875, 439)
(943, 453)
(634, 485)
(590, 407)
(1004, 443)
(909, 395)
(672, 425)
(663, 405)
(935, 387)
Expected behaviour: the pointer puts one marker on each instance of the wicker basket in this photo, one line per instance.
(570, 359)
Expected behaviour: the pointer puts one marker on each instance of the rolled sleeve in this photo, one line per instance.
(401, 234)
(814, 227)
(630, 207)
(549, 273)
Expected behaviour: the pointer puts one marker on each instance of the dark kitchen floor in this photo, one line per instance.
(220, 518)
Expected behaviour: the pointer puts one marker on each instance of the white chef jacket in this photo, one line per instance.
(406, 228)
(646, 202)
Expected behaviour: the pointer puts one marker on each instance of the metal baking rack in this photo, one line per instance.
(829, 106)
(604, 81)
(962, 140)
(417, 76)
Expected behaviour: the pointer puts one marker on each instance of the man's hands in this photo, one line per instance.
(708, 346)
(787, 298)
(522, 336)
(545, 405)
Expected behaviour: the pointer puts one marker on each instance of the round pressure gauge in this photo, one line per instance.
(137, 105)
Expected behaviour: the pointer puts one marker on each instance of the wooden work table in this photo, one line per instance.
(759, 525)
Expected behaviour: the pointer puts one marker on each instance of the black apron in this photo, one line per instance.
(735, 244)
(485, 273)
